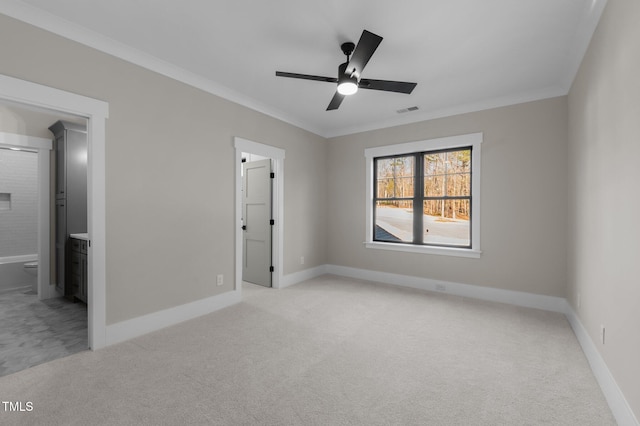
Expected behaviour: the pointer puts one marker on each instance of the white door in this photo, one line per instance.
(256, 221)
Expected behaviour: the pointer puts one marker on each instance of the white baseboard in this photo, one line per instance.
(614, 396)
(135, 327)
(19, 259)
(139, 326)
(518, 298)
(616, 400)
(298, 277)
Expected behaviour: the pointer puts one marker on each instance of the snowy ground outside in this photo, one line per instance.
(399, 222)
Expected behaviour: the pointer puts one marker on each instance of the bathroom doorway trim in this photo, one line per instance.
(96, 112)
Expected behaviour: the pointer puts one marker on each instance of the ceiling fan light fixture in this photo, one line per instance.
(349, 72)
(348, 86)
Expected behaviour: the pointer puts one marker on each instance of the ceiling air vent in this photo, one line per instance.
(403, 110)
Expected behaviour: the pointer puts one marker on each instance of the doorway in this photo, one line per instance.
(32, 95)
(256, 219)
(38, 324)
(270, 160)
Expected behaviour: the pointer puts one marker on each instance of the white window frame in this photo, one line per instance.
(475, 141)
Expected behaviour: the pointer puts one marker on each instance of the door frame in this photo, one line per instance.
(277, 156)
(96, 112)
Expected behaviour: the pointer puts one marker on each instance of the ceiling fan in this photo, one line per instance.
(349, 73)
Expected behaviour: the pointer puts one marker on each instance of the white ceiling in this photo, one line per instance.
(465, 55)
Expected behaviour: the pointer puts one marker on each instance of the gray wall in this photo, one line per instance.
(170, 173)
(169, 170)
(523, 200)
(604, 147)
(19, 224)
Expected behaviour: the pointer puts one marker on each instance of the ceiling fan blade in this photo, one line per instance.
(365, 48)
(306, 76)
(387, 86)
(335, 101)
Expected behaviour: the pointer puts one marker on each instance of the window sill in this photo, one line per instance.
(444, 251)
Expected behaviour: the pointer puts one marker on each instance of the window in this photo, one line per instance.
(442, 201)
(424, 196)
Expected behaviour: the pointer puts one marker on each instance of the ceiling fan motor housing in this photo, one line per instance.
(342, 68)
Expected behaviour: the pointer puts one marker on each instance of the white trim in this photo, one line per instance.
(129, 329)
(47, 21)
(268, 151)
(411, 248)
(18, 259)
(614, 396)
(25, 92)
(96, 227)
(612, 392)
(277, 157)
(46, 289)
(424, 145)
(96, 111)
(518, 298)
(582, 39)
(42, 19)
(472, 139)
(433, 114)
(304, 275)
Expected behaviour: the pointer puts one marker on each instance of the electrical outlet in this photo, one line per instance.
(602, 333)
(302, 260)
(441, 287)
(220, 279)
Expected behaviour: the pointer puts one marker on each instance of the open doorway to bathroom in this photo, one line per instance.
(37, 323)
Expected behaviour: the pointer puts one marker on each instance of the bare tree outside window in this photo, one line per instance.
(444, 181)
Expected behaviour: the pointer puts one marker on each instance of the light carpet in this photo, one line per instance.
(329, 351)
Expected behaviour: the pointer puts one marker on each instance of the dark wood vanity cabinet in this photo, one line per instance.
(78, 269)
(71, 196)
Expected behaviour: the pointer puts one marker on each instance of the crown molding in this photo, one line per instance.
(79, 34)
(515, 99)
(56, 25)
(581, 42)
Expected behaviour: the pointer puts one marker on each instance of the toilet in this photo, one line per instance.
(31, 268)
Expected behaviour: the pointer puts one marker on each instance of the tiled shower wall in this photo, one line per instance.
(18, 203)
